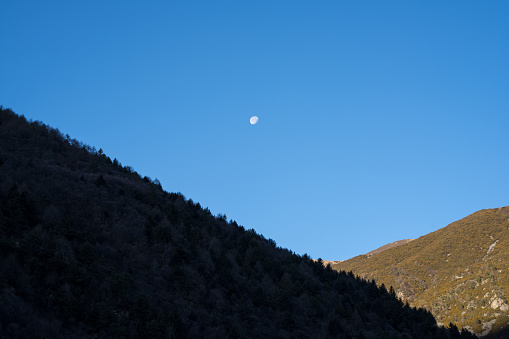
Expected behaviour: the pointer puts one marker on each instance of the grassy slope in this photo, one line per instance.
(450, 271)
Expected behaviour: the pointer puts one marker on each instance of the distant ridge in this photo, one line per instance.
(387, 246)
(328, 262)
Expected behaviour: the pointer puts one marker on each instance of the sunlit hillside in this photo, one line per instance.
(460, 272)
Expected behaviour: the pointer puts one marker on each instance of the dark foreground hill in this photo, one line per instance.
(460, 273)
(88, 248)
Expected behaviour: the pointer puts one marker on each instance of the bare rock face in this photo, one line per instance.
(496, 303)
(487, 327)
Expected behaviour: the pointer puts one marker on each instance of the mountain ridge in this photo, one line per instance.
(387, 246)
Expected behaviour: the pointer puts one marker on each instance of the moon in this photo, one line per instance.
(253, 120)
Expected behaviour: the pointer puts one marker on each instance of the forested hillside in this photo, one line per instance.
(460, 273)
(89, 248)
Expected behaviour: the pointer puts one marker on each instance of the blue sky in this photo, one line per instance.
(379, 120)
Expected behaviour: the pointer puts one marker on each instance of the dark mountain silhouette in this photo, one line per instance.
(89, 248)
(459, 273)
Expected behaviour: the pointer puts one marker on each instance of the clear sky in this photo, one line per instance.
(378, 120)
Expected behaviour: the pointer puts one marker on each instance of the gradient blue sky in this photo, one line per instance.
(379, 120)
